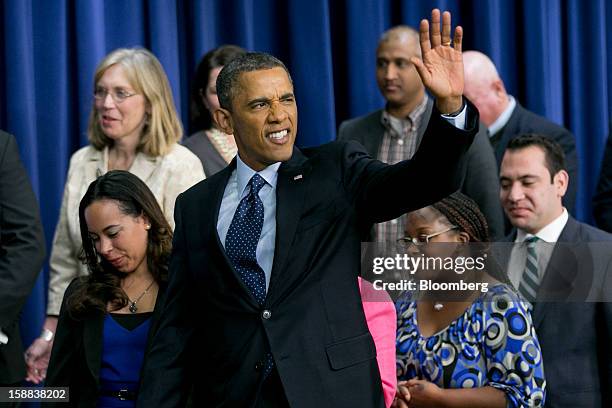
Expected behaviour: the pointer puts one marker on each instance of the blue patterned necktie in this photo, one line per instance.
(241, 247)
(243, 236)
(530, 281)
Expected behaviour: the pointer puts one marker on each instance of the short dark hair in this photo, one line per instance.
(133, 198)
(227, 81)
(218, 57)
(553, 153)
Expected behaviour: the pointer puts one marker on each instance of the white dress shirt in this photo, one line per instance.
(548, 236)
(502, 119)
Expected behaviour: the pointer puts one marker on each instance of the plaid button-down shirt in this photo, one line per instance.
(399, 143)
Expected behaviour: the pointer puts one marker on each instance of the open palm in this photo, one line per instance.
(441, 68)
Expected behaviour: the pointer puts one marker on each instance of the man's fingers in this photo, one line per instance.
(446, 28)
(424, 36)
(458, 39)
(423, 73)
(435, 28)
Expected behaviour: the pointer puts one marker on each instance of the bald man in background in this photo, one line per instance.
(394, 133)
(507, 119)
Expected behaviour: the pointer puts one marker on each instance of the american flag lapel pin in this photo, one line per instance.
(298, 177)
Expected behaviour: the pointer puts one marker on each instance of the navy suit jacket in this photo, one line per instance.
(213, 331)
(576, 336)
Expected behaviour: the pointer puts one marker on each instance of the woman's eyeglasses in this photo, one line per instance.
(118, 95)
(422, 239)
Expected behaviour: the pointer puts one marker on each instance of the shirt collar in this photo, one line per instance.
(501, 121)
(244, 174)
(387, 119)
(549, 233)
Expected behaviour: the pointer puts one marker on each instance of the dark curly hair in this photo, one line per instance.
(103, 285)
(201, 118)
(463, 212)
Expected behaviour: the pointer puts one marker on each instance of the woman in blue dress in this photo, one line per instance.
(108, 317)
(471, 348)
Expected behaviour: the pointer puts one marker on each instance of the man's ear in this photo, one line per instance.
(499, 89)
(223, 119)
(561, 181)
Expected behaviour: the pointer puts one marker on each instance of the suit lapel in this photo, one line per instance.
(559, 278)
(509, 130)
(98, 165)
(93, 329)
(218, 189)
(293, 176)
(424, 121)
(372, 135)
(209, 226)
(538, 311)
(144, 166)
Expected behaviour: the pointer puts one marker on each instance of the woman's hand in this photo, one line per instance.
(38, 354)
(424, 394)
(402, 396)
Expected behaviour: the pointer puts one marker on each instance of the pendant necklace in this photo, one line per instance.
(133, 308)
(438, 306)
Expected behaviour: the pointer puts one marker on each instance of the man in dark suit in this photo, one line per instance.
(395, 132)
(506, 118)
(263, 306)
(557, 263)
(22, 251)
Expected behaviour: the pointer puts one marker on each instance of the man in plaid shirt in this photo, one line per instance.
(394, 133)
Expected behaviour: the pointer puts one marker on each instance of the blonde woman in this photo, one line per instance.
(133, 126)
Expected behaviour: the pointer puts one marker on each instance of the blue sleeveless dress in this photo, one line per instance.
(122, 356)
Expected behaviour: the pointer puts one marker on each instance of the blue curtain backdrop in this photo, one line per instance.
(555, 56)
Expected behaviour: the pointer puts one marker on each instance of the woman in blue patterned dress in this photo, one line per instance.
(478, 350)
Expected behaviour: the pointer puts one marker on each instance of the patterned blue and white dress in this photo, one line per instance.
(492, 343)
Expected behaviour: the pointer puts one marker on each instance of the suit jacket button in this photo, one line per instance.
(258, 366)
(266, 314)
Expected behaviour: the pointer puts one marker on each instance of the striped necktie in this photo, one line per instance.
(530, 281)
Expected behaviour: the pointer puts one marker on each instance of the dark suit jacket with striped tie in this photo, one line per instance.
(576, 336)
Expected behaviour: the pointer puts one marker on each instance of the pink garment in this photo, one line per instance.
(382, 322)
